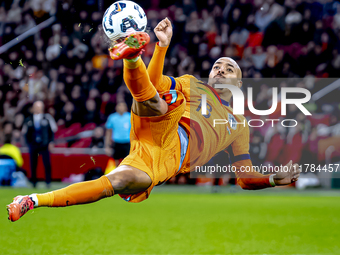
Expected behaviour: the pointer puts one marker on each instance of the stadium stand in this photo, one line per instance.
(66, 65)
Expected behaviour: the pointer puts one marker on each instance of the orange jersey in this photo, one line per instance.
(207, 138)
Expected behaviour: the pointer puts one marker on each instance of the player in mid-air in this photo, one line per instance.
(164, 131)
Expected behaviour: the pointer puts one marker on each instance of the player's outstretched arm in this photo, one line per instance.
(249, 178)
(163, 32)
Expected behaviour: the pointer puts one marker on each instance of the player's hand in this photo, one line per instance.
(289, 174)
(163, 32)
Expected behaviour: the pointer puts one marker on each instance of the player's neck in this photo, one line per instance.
(226, 96)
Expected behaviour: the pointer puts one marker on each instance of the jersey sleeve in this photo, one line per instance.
(247, 176)
(155, 70)
(163, 82)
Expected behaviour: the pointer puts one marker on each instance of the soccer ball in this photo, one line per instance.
(123, 18)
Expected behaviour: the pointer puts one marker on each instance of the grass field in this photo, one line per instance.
(177, 220)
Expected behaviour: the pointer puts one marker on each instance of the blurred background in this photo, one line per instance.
(56, 52)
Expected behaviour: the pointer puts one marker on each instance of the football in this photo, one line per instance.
(122, 18)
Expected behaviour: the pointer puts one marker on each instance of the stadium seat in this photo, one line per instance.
(71, 131)
(293, 150)
(89, 126)
(60, 129)
(61, 145)
(274, 148)
(293, 50)
(317, 119)
(82, 143)
(330, 142)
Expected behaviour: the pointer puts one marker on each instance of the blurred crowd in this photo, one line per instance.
(67, 65)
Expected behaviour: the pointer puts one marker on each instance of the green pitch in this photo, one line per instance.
(176, 220)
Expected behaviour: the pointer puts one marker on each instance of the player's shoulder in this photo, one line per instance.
(186, 78)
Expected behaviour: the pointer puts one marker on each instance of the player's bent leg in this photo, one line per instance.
(128, 180)
(124, 179)
(146, 99)
(137, 80)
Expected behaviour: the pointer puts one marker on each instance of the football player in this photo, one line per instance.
(166, 137)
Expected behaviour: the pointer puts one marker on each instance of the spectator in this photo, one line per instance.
(69, 64)
(193, 24)
(68, 115)
(259, 58)
(99, 61)
(53, 75)
(10, 160)
(17, 138)
(79, 48)
(95, 81)
(27, 23)
(117, 135)
(208, 21)
(39, 130)
(97, 138)
(18, 121)
(110, 81)
(108, 103)
(77, 99)
(11, 150)
(53, 50)
(258, 149)
(92, 114)
(14, 14)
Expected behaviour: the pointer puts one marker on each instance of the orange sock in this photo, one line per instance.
(138, 81)
(78, 193)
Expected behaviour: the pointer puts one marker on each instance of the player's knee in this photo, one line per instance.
(127, 180)
(122, 182)
(153, 104)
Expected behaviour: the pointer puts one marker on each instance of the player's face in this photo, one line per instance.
(225, 71)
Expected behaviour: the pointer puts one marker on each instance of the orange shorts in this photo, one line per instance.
(155, 146)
